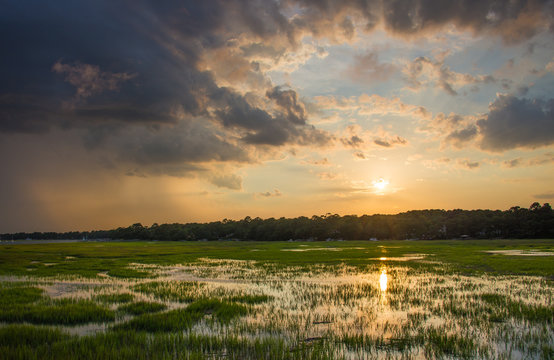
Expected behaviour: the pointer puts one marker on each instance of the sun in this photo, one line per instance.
(380, 185)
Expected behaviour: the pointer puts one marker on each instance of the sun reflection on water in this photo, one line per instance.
(383, 280)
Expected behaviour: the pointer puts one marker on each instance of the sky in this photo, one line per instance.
(126, 111)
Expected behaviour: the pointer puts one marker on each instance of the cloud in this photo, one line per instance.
(544, 159)
(188, 141)
(372, 105)
(353, 141)
(467, 164)
(229, 181)
(268, 194)
(89, 79)
(287, 123)
(512, 163)
(134, 75)
(424, 72)
(390, 142)
(513, 21)
(452, 130)
(517, 123)
(450, 164)
(459, 138)
(434, 164)
(355, 137)
(545, 196)
(328, 175)
(361, 155)
(321, 162)
(550, 67)
(279, 55)
(367, 69)
(151, 74)
(288, 101)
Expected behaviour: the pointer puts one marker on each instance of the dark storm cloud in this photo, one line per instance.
(517, 122)
(88, 79)
(287, 124)
(512, 20)
(187, 141)
(289, 103)
(120, 64)
(106, 66)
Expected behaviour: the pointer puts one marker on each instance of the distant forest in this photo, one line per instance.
(517, 222)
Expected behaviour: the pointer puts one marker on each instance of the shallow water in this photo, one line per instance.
(387, 309)
(522, 252)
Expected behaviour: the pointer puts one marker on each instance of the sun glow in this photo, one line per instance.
(380, 185)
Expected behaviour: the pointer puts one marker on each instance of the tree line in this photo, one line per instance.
(535, 222)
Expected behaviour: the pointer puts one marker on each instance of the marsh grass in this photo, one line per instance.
(24, 342)
(19, 336)
(181, 291)
(129, 273)
(141, 307)
(184, 319)
(501, 304)
(16, 294)
(174, 320)
(250, 299)
(457, 302)
(88, 259)
(57, 311)
(439, 343)
(29, 304)
(120, 298)
(222, 311)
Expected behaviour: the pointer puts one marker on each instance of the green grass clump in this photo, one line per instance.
(27, 342)
(59, 311)
(174, 320)
(115, 298)
(547, 352)
(517, 309)
(141, 307)
(181, 291)
(439, 343)
(128, 273)
(27, 304)
(221, 310)
(183, 319)
(15, 295)
(28, 336)
(251, 299)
